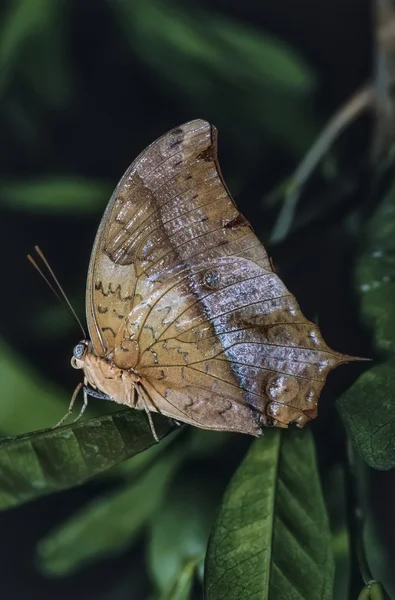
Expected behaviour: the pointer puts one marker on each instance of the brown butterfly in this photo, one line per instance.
(185, 314)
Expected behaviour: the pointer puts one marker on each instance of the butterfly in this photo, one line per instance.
(186, 315)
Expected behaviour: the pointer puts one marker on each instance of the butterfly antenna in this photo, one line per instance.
(35, 265)
(63, 294)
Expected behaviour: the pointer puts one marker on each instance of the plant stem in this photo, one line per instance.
(355, 106)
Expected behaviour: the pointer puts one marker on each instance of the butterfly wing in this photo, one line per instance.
(181, 290)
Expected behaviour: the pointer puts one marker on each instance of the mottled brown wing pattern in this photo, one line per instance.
(181, 290)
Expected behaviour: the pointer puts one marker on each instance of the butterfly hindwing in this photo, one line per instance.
(182, 291)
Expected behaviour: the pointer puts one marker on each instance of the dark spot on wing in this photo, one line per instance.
(212, 279)
(207, 155)
(239, 221)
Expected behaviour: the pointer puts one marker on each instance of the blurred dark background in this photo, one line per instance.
(85, 86)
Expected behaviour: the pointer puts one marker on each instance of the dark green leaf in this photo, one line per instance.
(55, 195)
(185, 518)
(46, 70)
(271, 539)
(31, 47)
(43, 462)
(368, 407)
(203, 443)
(109, 525)
(373, 489)
(20, 24)
(334, 487)
(197, 52)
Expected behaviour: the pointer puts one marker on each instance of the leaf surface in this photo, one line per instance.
(181, 587)
(28, 401)
(271, 539)
(368, 406)
(185, 517)
(42, 462)
(110, 524)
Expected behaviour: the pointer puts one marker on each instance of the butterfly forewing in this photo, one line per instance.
(181, 291)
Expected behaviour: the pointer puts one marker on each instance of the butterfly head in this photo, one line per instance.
(79, 351)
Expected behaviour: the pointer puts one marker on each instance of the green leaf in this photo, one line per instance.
(371, 487)
(271, 539)
(334, 488)
(368, 407)
(373, 591)
(42, 462)
(31, 48)
(108, 525)
(185, 518)
(20, 24)
(27, 400)
(181, 587)
(46, 70)
(196, 52)
(111, 523)
(53, 194)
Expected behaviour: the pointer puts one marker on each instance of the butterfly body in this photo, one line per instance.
(104, 375)
(185, 313)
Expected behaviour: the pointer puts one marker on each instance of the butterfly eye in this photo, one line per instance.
(79, 350)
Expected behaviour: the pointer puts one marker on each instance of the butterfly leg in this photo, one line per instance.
(85, 404)
(71, 405)
(143, 397)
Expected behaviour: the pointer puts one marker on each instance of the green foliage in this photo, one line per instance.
(47, 461)
(186, 518)
(107, 526)
(373, 591)
(31, 48)
(181, 587)
(212, 48)
(70, 195)
(368, 408)
(28, 401)
(271, 538)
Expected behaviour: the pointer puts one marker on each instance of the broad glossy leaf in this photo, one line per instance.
(47, 461)
(108, 525)
(55, 195)
(368, 407)
(271, 539)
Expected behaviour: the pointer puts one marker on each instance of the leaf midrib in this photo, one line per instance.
(272, 519)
